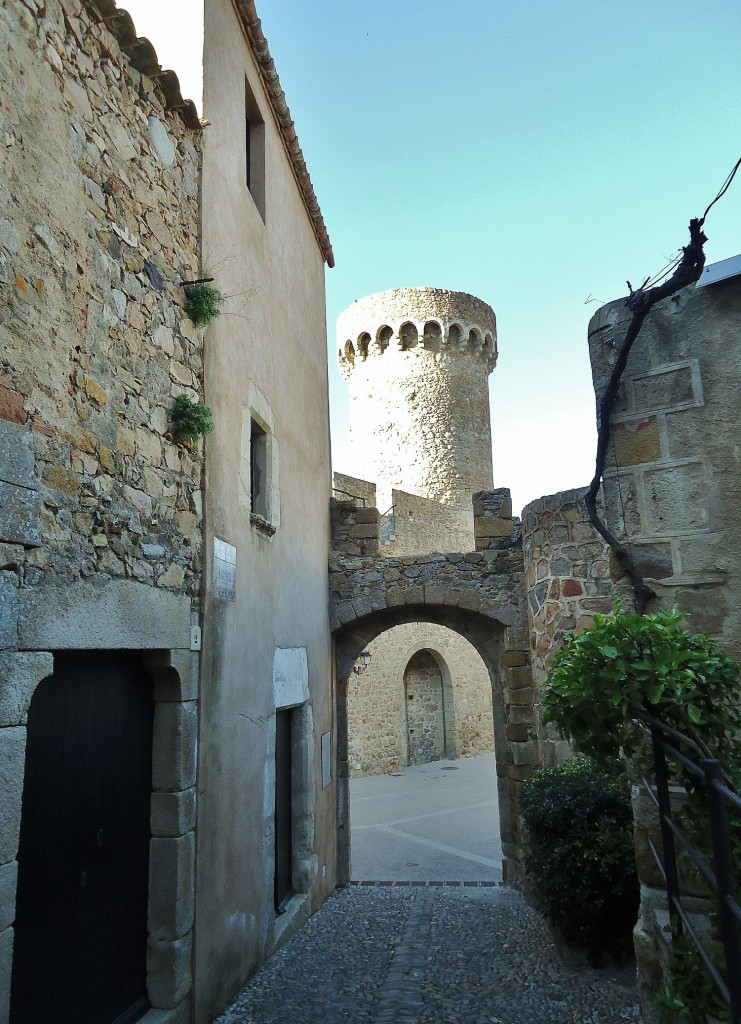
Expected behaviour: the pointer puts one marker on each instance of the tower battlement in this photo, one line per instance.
(433, 320)
(417, 362)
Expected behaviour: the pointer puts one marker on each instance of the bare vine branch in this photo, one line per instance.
(639, 302)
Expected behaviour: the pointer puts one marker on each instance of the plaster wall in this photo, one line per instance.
(377, 704)
(266, 354)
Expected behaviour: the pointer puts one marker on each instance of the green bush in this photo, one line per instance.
(579, 853)
(202, 303)
(189, 420)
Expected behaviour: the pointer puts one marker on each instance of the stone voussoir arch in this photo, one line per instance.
(473, 596)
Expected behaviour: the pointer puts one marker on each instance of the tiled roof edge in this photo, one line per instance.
(277, 99)
(143, 57)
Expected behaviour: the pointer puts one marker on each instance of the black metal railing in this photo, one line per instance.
(708, 777)
(356, 499)
(387, 525)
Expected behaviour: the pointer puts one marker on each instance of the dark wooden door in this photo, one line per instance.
(283, 812)
(83, 860)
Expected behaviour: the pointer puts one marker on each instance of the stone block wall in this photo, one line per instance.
(671, 486)
(100, 512)
(355, 528)
(568, 577)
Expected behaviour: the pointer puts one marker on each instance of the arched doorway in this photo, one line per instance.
(500, 646)
(428, 710)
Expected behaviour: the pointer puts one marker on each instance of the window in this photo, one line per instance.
(259, 474)
(254, 138)
(258, 470)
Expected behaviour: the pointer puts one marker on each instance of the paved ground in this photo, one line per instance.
(471, 953)
(428, 955)
(434, 821)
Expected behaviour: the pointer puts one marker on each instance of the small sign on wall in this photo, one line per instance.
(326, 759)
(225, 570)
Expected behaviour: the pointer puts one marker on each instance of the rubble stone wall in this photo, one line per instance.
(100, 511)
(377, 705)
(568, 577)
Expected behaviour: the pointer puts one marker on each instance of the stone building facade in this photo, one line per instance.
(267, 808)
(100, 512)
(154, 595)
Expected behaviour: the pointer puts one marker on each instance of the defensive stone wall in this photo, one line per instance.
(416, 525)
(417, 362)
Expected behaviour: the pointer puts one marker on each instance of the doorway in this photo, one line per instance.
(83, 857)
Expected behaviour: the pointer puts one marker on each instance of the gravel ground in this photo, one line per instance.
(429, 956)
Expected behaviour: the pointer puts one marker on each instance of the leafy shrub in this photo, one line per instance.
(579, 853)
(189, 420)
(647, 667)
(202, 303)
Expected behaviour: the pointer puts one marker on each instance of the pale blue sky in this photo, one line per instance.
(534, 154)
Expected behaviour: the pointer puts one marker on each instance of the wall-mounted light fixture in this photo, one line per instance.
(363, 663)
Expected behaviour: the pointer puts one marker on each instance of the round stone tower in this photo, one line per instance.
(417, 362)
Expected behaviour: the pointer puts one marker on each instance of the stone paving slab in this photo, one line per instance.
(429, 955)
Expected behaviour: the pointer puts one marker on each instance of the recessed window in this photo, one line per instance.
(259, 503)
(254, 138)
(259, 473)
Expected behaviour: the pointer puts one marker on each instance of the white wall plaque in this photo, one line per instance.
(326, 759)
(225, 570)
(290, 677)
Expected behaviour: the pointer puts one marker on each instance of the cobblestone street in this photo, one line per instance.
(429, 955)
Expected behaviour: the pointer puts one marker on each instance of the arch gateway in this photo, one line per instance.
(479, 595)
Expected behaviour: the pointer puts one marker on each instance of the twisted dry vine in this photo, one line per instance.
(639, 302)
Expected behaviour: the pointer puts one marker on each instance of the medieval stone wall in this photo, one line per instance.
(377, 705)
(568, 577)
(672, 485)
(99, 510)
(417, 362)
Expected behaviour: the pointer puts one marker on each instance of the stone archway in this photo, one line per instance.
(502, 648)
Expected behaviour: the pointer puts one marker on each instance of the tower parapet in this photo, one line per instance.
(429, 319)
(417, 362)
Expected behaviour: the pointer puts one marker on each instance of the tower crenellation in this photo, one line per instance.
(429, 319)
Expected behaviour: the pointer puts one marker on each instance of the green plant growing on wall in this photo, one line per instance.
(579, 853)
(202, 302)
(189, 420)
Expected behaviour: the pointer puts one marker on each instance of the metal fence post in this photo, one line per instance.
(667, 837)
(730, 928)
